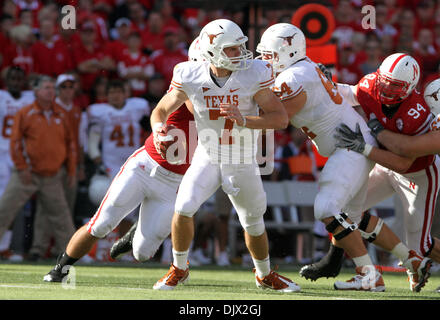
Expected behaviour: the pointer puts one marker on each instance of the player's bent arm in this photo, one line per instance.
(274, 116)
(411, 146)
(390, 160)
(349, 93)
(295, 104)
(169, 103)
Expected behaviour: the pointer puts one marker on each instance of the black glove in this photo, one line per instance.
(375, 126)
(325, 71)
(348, 139)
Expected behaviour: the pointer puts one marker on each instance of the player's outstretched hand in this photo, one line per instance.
(231, 112)
(349, 139)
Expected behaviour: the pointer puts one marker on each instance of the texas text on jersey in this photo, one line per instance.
(412, 117)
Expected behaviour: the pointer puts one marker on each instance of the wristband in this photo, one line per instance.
(244, 122)
(156, 126)
(367, 149)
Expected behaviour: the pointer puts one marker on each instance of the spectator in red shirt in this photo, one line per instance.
(32, 6)
(120, 38)
(347, 71)
(165, 59)
(51, 56)
(374, 57)
(425, 52)
(346, 23)
(137, 15)
(85, 13)
(166, 10)
(90, 59)
(134, 66)
(6, 23)
(19, 53)
(425, 14)
(153, 37)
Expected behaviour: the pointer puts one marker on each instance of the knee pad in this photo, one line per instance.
(254, 226)
(341, 220)
(369, 236)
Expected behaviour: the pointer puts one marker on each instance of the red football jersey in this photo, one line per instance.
(180, 119)
(413, 116)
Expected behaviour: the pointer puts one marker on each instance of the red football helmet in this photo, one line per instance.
(398, 75)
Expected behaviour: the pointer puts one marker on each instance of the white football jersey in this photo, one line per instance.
(223, 140)
(8, 108)
(435, 124)
(120, 130)
(325, 108)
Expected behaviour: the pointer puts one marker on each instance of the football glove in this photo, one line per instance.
(348, 139)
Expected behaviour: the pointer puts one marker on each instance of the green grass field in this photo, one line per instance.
(119, 281)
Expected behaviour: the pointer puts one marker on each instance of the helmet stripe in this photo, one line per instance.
(396, 61)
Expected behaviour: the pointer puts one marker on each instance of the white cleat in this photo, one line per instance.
(223, 259)
(368, 278)
(418, 269)
(173, 277)
(276, 282)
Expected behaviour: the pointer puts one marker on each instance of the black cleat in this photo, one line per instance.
(329, 266)
(57, 274)
(124, 244)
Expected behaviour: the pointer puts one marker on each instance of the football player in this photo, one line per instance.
(389, 97)
(314, 104)
(11, 100)
(224, 91)
(146, 178)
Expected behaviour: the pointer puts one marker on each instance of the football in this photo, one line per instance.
(170, 144)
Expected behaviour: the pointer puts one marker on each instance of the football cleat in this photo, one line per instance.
(276, 282)
(173, 277)
(124, 244)
(368, 278)
(329, 266)
(57, 274)
(417, 270)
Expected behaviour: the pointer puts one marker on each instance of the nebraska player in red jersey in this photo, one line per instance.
(147, 179)
(389, 97)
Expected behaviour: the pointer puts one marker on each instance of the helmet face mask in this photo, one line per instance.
(391, 91)
(220, 34)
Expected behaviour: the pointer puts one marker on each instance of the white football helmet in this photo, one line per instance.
(399, 74)
(98, 187)
(220, 34)
(432, 96)
(282, 44)
(194, 50)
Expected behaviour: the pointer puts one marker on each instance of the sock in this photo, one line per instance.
(5, 241)
(180, 259)
(333, 257)
(361, 261)
(401, 251)
(65, 260)
(262, 267)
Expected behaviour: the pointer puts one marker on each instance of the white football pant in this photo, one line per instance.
(139, 181)
(418, 192)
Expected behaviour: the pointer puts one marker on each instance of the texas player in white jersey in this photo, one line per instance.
(11, 100)
(224, 92)
(116, 125)
(314, 105)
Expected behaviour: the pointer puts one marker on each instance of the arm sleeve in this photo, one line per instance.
(348, 92)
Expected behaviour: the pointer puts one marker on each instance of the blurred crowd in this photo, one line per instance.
(140, 42)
